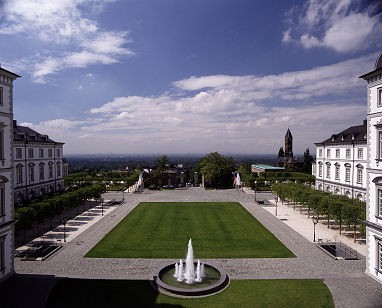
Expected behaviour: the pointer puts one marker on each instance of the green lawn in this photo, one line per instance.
(240, 293)
(162, 230)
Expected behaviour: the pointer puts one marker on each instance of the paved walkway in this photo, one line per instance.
(350, 286)
(301, 223)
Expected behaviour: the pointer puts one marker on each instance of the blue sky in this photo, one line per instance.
(177, 76)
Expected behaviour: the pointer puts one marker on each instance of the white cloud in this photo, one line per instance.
(350, 33)
(221, 113)
(316, 82)
(197, 83)
(341, 25)
(67, 37)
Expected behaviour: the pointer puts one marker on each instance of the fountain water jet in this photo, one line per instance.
(170, 282)
(189, 274)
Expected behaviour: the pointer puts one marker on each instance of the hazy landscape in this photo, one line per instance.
(118, 161)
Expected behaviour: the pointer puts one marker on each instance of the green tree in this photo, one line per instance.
(281, 152)
(336, 208)
(25, 217)
(163, 166)
(217, 170)
(163, 162)
(308, 159)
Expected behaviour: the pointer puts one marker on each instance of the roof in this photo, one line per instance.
(12, 75)
(268, 167)
(377, 68)
(288, 135)
(353, 134)
(23, 133)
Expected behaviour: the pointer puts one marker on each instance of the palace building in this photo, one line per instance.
(374, 172)
(340, 166)
(38, 164)
(7, 221)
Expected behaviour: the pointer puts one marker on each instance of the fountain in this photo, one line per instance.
(190, 275)
(190, 278)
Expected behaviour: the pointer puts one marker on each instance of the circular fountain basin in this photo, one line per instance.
(216, 280)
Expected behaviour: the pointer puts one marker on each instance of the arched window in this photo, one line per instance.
(320, 168)
(378, 186)
(31, 172)
(50, 169)
(347, 172)
(58, 171)
(337, 171)
(19, 174)
(3, 180)
(359, 174)
(328, 170)
(2, 156)
(42, 171)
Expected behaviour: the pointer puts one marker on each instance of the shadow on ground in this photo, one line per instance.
(48, 291)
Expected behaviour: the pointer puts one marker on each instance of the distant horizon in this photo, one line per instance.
(169, 154)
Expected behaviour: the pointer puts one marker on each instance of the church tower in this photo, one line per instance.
(288, 144)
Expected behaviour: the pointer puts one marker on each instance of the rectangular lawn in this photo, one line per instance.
(162, 230)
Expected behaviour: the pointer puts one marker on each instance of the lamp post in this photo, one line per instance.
(276, 200)
(315, 221)
(64, 223)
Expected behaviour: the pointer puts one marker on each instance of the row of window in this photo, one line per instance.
(19, 153)
(337, 191)
(337, 172)
(338, 152)
(31, 172)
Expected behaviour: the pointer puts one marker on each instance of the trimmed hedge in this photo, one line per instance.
(342, 209)
(37, 212)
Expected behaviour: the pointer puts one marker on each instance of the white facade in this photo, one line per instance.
(341, 161)
(38, 164)
(6, 174)
(374, 172)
